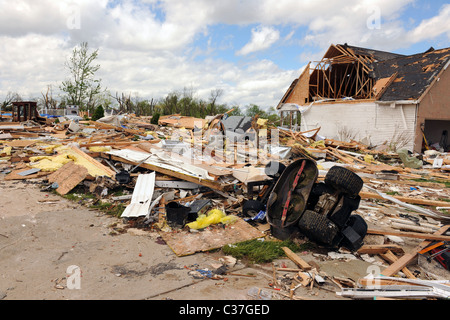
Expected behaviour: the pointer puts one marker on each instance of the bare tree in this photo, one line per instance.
(214, 96)
(125, 103)
(48, 100)
(10, 98)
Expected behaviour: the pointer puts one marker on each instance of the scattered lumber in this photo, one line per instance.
(408, 257)
(435, 236)
(371, 195)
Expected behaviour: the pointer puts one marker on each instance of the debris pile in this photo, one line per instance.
(207, 183)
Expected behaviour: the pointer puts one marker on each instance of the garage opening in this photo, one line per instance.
(436, 134)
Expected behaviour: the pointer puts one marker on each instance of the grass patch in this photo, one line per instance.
(109, 208)
(257, 251)
(393, 193)
(446, 183)
(82, 197)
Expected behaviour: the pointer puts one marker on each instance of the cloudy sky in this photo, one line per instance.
(251, 49)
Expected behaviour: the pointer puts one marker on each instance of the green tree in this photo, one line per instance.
(98, 113)
(236, 111)
(82, 86)
(254, 110)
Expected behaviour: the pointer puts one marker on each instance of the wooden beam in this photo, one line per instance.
(424, 202)
(390, 257)
(416, 235)
(296, 259)
(407, 258)
(378, 249)
(207, 183)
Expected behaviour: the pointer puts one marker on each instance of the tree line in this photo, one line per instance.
(83, 89)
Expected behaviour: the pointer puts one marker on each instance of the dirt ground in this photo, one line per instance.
(43, 235)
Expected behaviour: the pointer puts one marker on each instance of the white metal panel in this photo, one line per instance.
(142, 196)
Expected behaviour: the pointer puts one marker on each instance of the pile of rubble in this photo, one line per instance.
(206, 183)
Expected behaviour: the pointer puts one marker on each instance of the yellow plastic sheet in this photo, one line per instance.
(214, 216)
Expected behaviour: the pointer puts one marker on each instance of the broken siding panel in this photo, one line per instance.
(344, 121)
(142, 197)
(396, 125)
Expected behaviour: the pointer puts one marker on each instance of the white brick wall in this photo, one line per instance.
(365, 120)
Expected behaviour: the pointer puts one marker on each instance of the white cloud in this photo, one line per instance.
(433, 27)
(262, 38)
(148, 46)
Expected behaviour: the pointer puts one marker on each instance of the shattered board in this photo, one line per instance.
(68, 177)
(185, 243)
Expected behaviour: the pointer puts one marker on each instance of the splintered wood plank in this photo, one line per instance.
(68, 177)
(390, 257)
(21, 143)
(416, 235)
(296, 259)
(407, 258)
(186, 243)
(380, 249)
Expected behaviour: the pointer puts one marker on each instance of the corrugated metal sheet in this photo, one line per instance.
(142, 196)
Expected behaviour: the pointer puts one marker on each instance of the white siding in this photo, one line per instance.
(366, 120)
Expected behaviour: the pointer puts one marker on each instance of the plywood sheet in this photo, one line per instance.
(68, 177)
(185, 243)
(181, 122)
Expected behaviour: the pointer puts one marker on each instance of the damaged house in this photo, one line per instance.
(376, 97)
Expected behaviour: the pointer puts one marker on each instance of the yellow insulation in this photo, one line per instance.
(65, 155)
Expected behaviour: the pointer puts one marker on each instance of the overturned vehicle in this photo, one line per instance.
(296, 204)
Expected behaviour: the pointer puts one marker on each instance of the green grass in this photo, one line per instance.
(446, 183)
(80, 196)
(109, 208)
(257, 251)
(393, 193)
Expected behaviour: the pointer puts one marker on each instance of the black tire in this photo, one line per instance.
(344, 180)
(251, 208)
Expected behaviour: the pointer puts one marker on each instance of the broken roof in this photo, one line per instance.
(360, 73)
(376, 55)
(415, 73)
